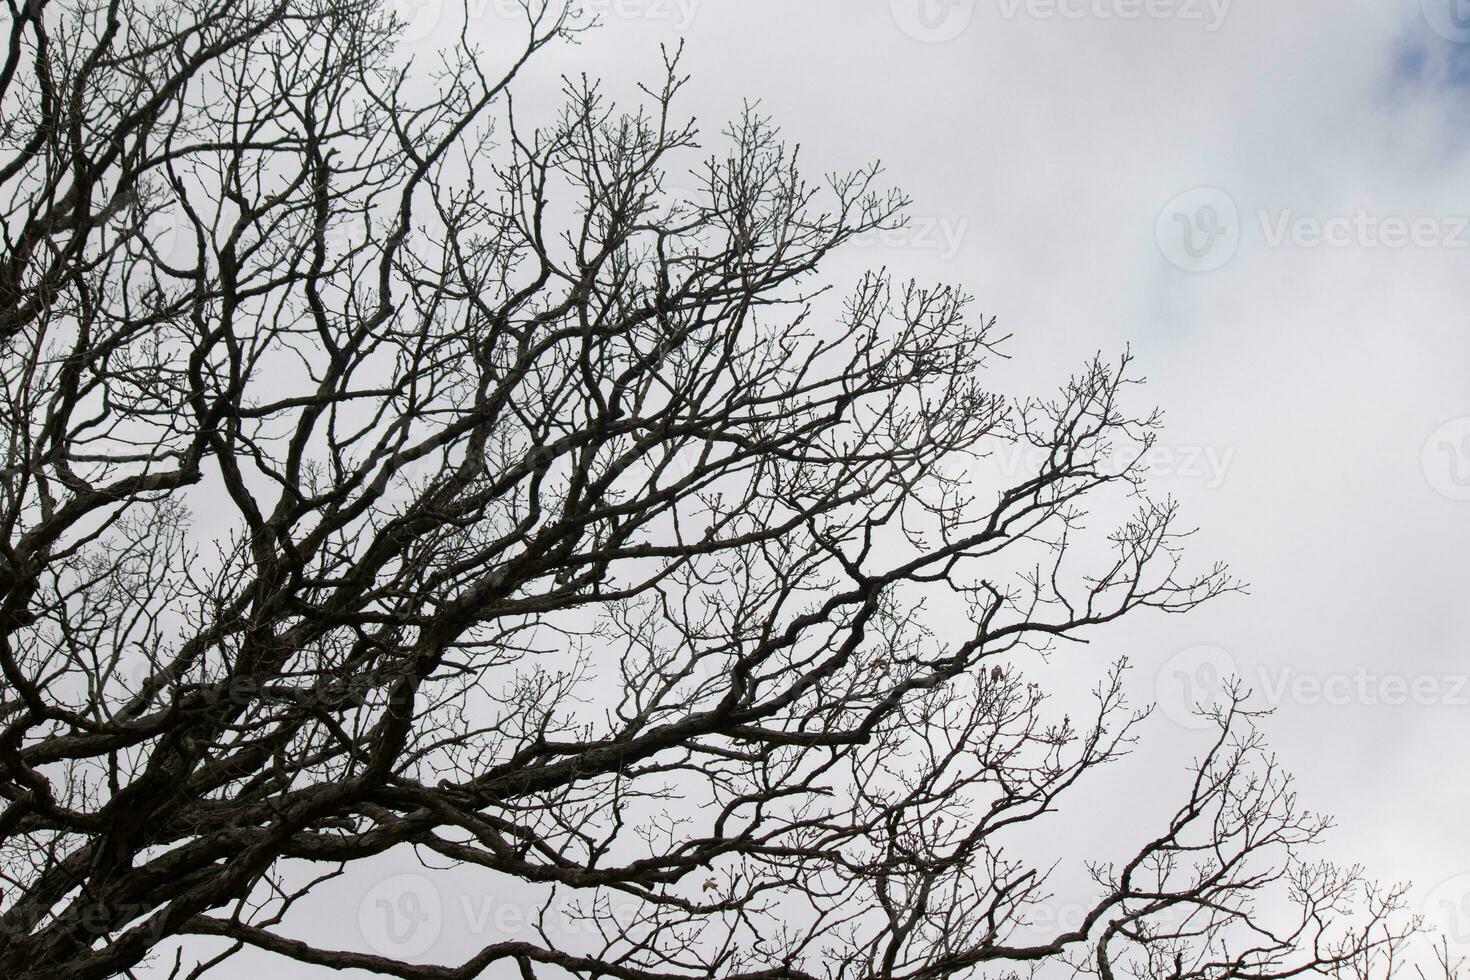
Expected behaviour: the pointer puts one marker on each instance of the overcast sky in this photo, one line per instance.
(1266, 200)
(1309, 340)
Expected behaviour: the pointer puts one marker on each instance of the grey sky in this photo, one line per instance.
(1316, 379)
(1302, 378)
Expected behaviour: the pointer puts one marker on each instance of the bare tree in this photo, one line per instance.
(383, 473)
